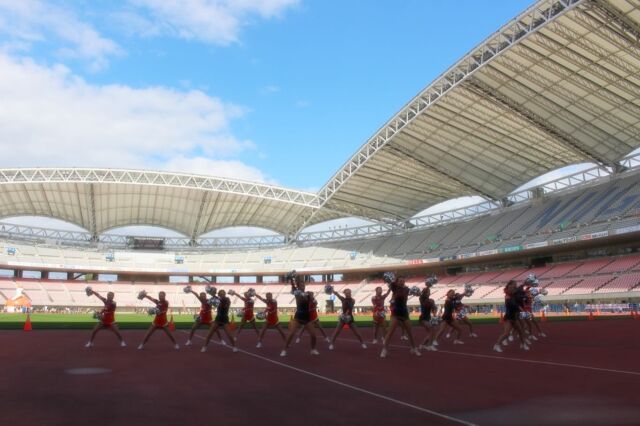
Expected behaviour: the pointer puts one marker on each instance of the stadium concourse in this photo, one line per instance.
(556, 86)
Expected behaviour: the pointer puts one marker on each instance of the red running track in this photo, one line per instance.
(584, 373)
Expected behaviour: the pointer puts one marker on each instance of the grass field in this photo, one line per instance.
(141, 321)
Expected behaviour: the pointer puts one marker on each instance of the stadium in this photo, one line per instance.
(554, 87)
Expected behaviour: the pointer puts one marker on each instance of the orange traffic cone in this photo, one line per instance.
(172, 326)
(27, 323)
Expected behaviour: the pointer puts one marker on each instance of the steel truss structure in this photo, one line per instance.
(571, 182)
(557, 85)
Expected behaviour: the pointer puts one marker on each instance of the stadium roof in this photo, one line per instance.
(557, 85)
(100, 199)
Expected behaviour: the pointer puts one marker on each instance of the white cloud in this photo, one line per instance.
(51, 117)
(27, 22)
(209, 21)
(267, 90)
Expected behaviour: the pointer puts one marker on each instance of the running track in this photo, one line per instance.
(584, 373)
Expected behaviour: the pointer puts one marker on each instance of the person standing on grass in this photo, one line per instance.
(160, 320)
(106, 317)
(346, 318)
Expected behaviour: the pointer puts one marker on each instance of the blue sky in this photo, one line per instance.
(281, 91)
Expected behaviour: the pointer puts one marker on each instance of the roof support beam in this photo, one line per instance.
(615, 15)
(403, 152)
(196, 225)
(564, 138)
(92, 214)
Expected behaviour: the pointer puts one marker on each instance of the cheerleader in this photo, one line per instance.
(106, 317)
(427, 309)
(221, 321)
(271, 317)
(313, 306)
(160, 321)
(302, 316)
(379, 322)
(204, 317)
(511, 314)
(399, 313)
(346, 318)
(462, 315)
(447, 317)
(247, 312)
(531, 293)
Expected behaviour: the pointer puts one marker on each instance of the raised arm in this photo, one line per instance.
(260, 298)
(96, 294)
(384, 296)
(338, 295)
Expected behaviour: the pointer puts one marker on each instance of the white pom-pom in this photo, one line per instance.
(345, 318)
(544, 292)
(88, 290)
(328, 289)
(142, 294)
(389, 277)
(210, 290)
(214, 301)
(261, 315)
(431, 281)
(251, 292)
(187, 289)
(153, 311)
(414, 291)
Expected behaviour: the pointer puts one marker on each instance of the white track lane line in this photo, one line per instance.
(346, 385)
(529, 361)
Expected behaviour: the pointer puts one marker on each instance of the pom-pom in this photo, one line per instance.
(89, 291)
(291, 275)
(345, 318)
(468, 290)
(240, 312)
(431, 281)
(97, 315)
(525, 315)
(544, 292)
(298, 293)
(251, 292)
(532, 280)
(538, 299)
(460, 315)
(435, 321)
(214, 301)
(328, 289)
(153, 311)
(389, 277)
(210, 290)
(187, 289)
(232, 293)
(142, 294)
(261, 315)
(415, 291)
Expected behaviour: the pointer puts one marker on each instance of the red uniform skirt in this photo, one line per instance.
(248, 315)
(272, 318)
(107, 319)
(160, 321)
(205, 318)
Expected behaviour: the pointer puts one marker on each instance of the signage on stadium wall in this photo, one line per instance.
(467, 255)
(594, 235)
(421, 261)
(564, 240)
(510, 249)
(536, 245)
(627, 229)
(487, 252)
(445, 258)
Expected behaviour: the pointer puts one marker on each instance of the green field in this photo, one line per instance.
(140, 321)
